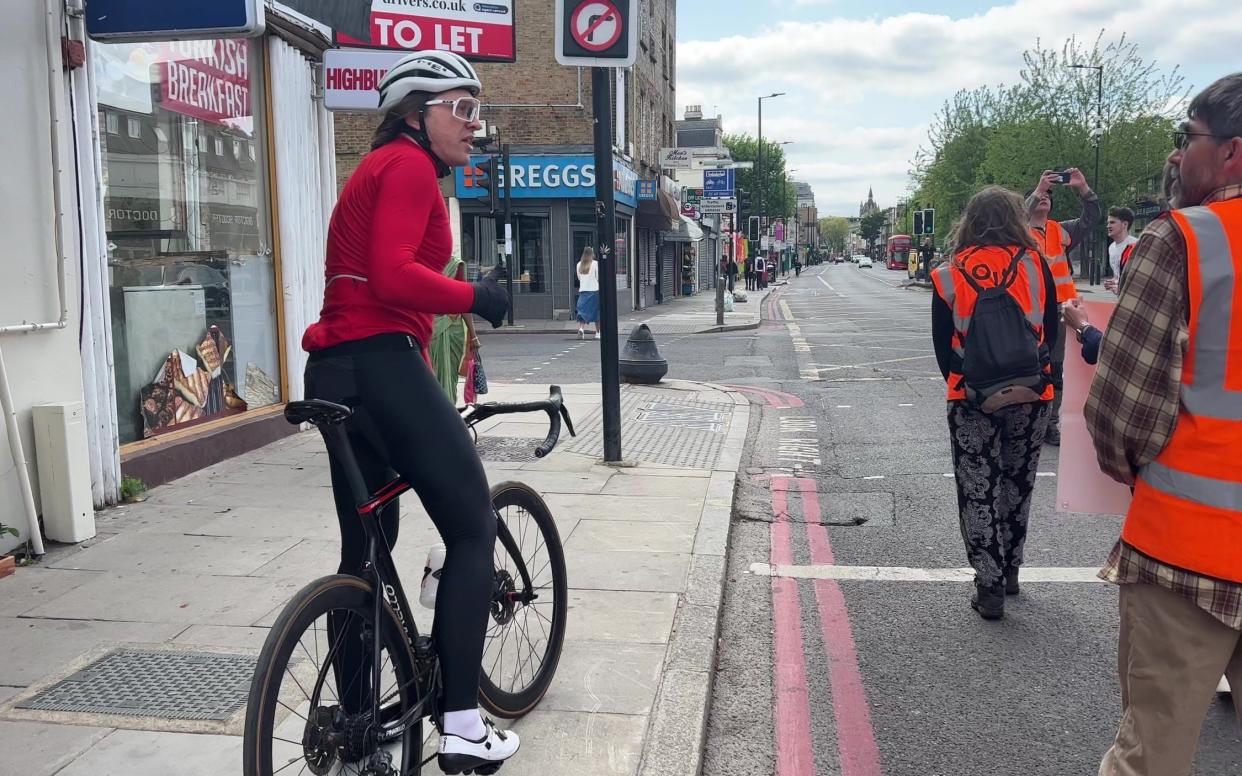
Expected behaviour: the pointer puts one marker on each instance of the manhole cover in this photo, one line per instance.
(507, 448)
(148, 683)
(682, 416)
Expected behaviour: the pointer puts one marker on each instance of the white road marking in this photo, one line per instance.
(905, 405)
(1045, 474)
(843, 406)
(947, 474)
(874, 477)
(1061, 574)
(825, 282)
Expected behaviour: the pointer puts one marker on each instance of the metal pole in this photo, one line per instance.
(1096, 263)
(759, 174)
(606, 228)
(507, 227)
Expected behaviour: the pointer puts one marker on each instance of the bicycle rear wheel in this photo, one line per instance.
(296, 718)
(527, 626)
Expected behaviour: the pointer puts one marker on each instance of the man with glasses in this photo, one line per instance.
(1165, 413)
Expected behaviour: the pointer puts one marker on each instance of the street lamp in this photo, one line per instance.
(1097, 134)
(759, 159)
(789, 179)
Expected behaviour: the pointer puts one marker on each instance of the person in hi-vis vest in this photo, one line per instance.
(1165, 414)
(1056, 239)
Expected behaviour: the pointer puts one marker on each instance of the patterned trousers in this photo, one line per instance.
(995, 458)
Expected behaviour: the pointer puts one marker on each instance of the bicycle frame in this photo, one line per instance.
(379, 568)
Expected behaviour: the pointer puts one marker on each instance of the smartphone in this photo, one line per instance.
(1065, 177)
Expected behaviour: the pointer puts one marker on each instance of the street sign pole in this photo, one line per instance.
(606, 228)
(507, 228)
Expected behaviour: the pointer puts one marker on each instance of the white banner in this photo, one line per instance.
(351, 77)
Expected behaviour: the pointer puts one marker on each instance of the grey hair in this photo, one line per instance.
(1219, 106)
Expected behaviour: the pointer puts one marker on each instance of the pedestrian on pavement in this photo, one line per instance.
(996, 437)
(588, 292)
(761, 273)
(1056, 240)
(1163, 412)
(748, 269)
(454, 342)
(389, 241)
(732, 274)
(1120, 220)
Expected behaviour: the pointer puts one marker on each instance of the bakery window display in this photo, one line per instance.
(189, 389)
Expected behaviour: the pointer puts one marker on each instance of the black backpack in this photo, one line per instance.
(1004, 360)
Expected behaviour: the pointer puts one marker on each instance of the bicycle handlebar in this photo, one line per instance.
(554, 406)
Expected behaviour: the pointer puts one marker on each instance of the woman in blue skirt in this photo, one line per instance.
(588, 292)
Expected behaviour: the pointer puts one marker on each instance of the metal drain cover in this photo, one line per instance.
(151, 683)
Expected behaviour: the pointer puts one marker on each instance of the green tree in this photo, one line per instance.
(766, 181)
(872, 226)
(833, 232)
(1008, 135)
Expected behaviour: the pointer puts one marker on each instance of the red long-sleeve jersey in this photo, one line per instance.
(391, 227)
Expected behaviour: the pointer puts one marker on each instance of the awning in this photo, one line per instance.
(660, 213)
(687, 231)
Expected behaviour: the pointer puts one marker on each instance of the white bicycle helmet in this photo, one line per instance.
(427, 71)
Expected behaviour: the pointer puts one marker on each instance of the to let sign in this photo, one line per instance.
(481, 31)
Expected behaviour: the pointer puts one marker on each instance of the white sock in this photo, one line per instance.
(467, 724)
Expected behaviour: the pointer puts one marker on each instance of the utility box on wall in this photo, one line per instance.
(64, 471)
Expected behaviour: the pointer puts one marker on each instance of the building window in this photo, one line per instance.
(250, 149)
(193, 282)
(134, 127)
(112, 122)
(237, 152)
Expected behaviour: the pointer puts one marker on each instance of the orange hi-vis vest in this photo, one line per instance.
(986, 266)
(1053, 245)
(1187, 506)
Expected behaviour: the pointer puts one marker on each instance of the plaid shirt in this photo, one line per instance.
(1132, 408)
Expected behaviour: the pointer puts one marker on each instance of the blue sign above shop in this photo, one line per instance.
(718, 183)
(121, 20)
(647, 190)
(551, 177)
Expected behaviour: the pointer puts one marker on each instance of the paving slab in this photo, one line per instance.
(620, 570)
(146, 753)
(34, 648)
(568, 743)
(178, 553)
(665, 509)
(36, 749)
(606, 676)
(222, 636)
(33, 586)
(620, 615)
(633, 536)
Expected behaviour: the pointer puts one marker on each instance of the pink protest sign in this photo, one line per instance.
(1081, 486)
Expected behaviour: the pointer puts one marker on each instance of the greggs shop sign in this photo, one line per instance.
(550, 177)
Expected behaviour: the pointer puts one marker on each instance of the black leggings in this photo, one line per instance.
(403, 423)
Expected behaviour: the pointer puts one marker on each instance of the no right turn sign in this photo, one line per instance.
(597, 33)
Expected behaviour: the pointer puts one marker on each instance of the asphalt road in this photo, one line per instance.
(846, 464)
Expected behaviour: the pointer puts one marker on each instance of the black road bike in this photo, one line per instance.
(305, 716)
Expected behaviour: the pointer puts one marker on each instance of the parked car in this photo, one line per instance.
(863, 262)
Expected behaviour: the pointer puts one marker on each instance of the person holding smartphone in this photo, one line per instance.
(1056, 239)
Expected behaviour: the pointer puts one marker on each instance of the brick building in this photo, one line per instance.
(542, 109)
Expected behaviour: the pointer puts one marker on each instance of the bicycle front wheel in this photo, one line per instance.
(527, 626)
(310, 708)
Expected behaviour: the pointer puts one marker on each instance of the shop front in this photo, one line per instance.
(205, 308)
(552, 221)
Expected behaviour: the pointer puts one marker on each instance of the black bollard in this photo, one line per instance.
(641, 361)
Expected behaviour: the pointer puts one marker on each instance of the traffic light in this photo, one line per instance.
(929, 221)
(743, 201)
(918, 222)
(752, 229)
(485, 178)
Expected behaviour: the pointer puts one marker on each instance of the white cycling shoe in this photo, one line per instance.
(459, 755)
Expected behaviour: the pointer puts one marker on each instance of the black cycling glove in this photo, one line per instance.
(491, 302)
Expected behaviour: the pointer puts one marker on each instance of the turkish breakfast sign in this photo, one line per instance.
(482, 31)
(205, 79)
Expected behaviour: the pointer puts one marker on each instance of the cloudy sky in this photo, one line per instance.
(863, 79)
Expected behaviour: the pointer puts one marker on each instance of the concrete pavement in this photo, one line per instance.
(207, 562)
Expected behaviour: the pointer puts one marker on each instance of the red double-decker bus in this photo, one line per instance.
(899, 248)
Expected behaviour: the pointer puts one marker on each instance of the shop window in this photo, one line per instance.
(112, 122)
(192, 275)
(134, 127)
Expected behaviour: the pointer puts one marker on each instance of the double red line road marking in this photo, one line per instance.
(858, 752)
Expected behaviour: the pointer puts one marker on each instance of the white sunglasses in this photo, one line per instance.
(465, 108)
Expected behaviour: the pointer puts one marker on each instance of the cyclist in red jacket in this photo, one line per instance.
(388, 243)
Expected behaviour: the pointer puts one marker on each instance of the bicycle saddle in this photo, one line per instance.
(316, 412)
